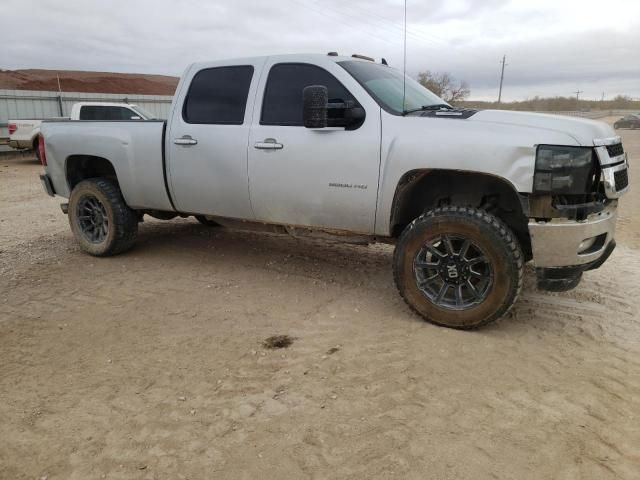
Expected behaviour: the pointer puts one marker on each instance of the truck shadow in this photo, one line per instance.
(319, 259)
(364, 268)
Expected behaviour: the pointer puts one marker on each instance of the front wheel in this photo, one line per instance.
(101, 221)
(458, 267)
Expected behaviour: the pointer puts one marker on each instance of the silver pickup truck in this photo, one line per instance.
(347, 147)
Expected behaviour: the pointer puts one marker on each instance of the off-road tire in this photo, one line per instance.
(122, 227)
(205, 221)
(487, 231)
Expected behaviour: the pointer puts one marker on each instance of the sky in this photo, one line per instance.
(553, 47)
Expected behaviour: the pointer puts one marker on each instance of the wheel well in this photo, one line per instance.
(421, 190)
(82, 167)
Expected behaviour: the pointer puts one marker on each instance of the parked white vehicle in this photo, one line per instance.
(331, 145)
(23, 134)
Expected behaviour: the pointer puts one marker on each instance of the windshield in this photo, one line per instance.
(385, 85)
(145, 113)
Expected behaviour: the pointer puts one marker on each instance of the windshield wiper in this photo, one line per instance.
(437, 106)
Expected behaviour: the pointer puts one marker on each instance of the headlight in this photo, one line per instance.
(564, 170)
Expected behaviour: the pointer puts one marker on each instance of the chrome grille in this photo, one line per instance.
(615, 150)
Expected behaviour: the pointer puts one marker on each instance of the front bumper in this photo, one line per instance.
(563, 249)
(562, 242)
(561, 279)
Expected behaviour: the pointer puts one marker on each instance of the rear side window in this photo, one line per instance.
(103, 112)
(282, 104)
(218, 95)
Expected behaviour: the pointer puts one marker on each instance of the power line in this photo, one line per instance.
(578, 92)
(376, 21)
(340, 19)
(389, 26)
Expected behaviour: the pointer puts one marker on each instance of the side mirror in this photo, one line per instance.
(314, 106)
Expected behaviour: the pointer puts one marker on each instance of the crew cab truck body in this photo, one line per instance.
(341, 146)
(23, 134)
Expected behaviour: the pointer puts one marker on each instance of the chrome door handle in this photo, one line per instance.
(268, 144)
(185, 140)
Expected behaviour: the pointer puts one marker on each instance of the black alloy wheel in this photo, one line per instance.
(453, 272)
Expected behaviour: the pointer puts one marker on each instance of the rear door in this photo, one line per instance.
(207, 139)
(312, 177)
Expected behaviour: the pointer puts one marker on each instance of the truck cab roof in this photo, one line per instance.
(288, 57)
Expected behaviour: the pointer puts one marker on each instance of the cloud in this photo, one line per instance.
(552, 47)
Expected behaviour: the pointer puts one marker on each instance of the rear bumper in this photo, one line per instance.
(19, 144)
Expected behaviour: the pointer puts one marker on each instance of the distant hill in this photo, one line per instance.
(88, 82)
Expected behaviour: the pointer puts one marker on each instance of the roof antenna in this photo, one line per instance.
(404, 69)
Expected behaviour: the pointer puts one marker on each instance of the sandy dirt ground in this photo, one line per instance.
(150, 365)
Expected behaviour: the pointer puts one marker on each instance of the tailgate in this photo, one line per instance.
(22, 130)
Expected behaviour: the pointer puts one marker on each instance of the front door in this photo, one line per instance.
(312, 177)
(207, 141)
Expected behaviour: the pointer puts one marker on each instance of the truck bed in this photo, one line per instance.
(134, 148)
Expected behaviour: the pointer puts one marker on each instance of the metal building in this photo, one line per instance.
(33, 104)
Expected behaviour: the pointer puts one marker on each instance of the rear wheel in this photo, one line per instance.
(101, 221)
(458, 267)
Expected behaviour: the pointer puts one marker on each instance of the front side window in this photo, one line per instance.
(218, 95)
(388, 87)
(282, 104)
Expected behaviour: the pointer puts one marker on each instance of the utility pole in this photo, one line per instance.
(578, 92)
(60, 110)
(504, 58)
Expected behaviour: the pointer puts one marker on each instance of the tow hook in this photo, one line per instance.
(64, 207)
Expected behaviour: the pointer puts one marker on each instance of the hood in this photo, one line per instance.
(584, 131)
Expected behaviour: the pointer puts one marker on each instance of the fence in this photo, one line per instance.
(32, 104)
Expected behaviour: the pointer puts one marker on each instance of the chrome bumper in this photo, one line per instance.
(559, 242)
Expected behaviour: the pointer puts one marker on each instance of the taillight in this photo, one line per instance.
(12, 128)
(43, 156)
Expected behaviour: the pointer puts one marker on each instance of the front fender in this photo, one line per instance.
(419, 143)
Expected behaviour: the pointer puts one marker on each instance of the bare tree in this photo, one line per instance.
(444, 85)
